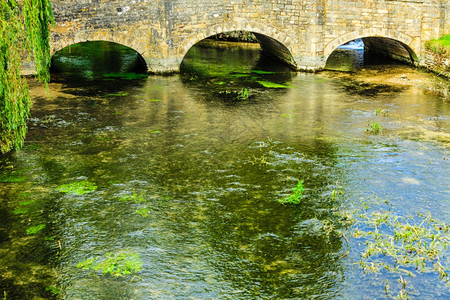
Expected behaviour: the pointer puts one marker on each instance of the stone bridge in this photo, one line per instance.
(302, 33)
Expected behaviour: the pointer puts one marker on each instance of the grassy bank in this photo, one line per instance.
(441, 45)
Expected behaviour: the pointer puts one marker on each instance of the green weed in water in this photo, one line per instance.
(239, 75)
(116, 264)
(12, 178)
(117, 94)
(155, 132)
(286, 115)
(133, 198)
(35, 229)
(261, 72)
(20, 211)
(403, 245)
(296, 196)
(77, 188)
(242, 95)
(26, 203)
(374, 128)
(143, 212)
(53, 290)
(273, 85)
(380, 111)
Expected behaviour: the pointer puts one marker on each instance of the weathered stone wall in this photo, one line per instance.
(162, 31)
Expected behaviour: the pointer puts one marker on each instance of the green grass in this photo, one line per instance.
(441, 45)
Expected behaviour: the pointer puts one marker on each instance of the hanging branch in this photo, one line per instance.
(22, 30)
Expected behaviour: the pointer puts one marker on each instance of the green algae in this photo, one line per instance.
(115, 264)
(77, 188)
(273, 85)
(35, 229)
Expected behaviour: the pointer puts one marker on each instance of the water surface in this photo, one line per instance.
(188, 178)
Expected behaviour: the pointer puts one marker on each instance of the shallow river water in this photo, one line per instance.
(182, 176)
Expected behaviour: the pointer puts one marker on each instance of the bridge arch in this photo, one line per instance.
(130, 41)
(272, 40)
(389, 36)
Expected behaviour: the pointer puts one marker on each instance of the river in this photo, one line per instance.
(180, 176)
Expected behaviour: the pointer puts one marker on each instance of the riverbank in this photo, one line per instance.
(400, 76)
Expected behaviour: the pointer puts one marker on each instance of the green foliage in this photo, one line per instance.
(77, 188)
(400, 245)
(53, 290)
(133, 198)
(118, 94)
(261, 72)
(23, 31)
(12, 178)
(115, 264)
(242, 95)
(20, 211)
(272, 85)
(35, 229)
(375, 128)
(439, 46)
(296, 196)
(143, 212)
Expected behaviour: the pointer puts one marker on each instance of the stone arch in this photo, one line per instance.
(410, 44)
(131, 41)
(272, 35)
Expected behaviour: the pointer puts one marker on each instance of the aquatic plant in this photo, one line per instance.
(261, 72)
(273, 85)
(239, 75)
(35, 229)
(143, 212)
(12, 178)
(242, 95)
(78, 188)
(116, 264)
(375, 128)
(20, 211)
(400, 245)
(378, 111)
(261, 160)
(133, 198)
(118, 94)
(296, 196)
(53, 290)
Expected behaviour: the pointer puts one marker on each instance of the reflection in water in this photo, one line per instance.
(98, 59)
(190, 183)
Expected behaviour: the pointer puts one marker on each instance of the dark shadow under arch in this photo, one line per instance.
(370, 50)
(269, 46)
(97, 57)
(390, 48)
